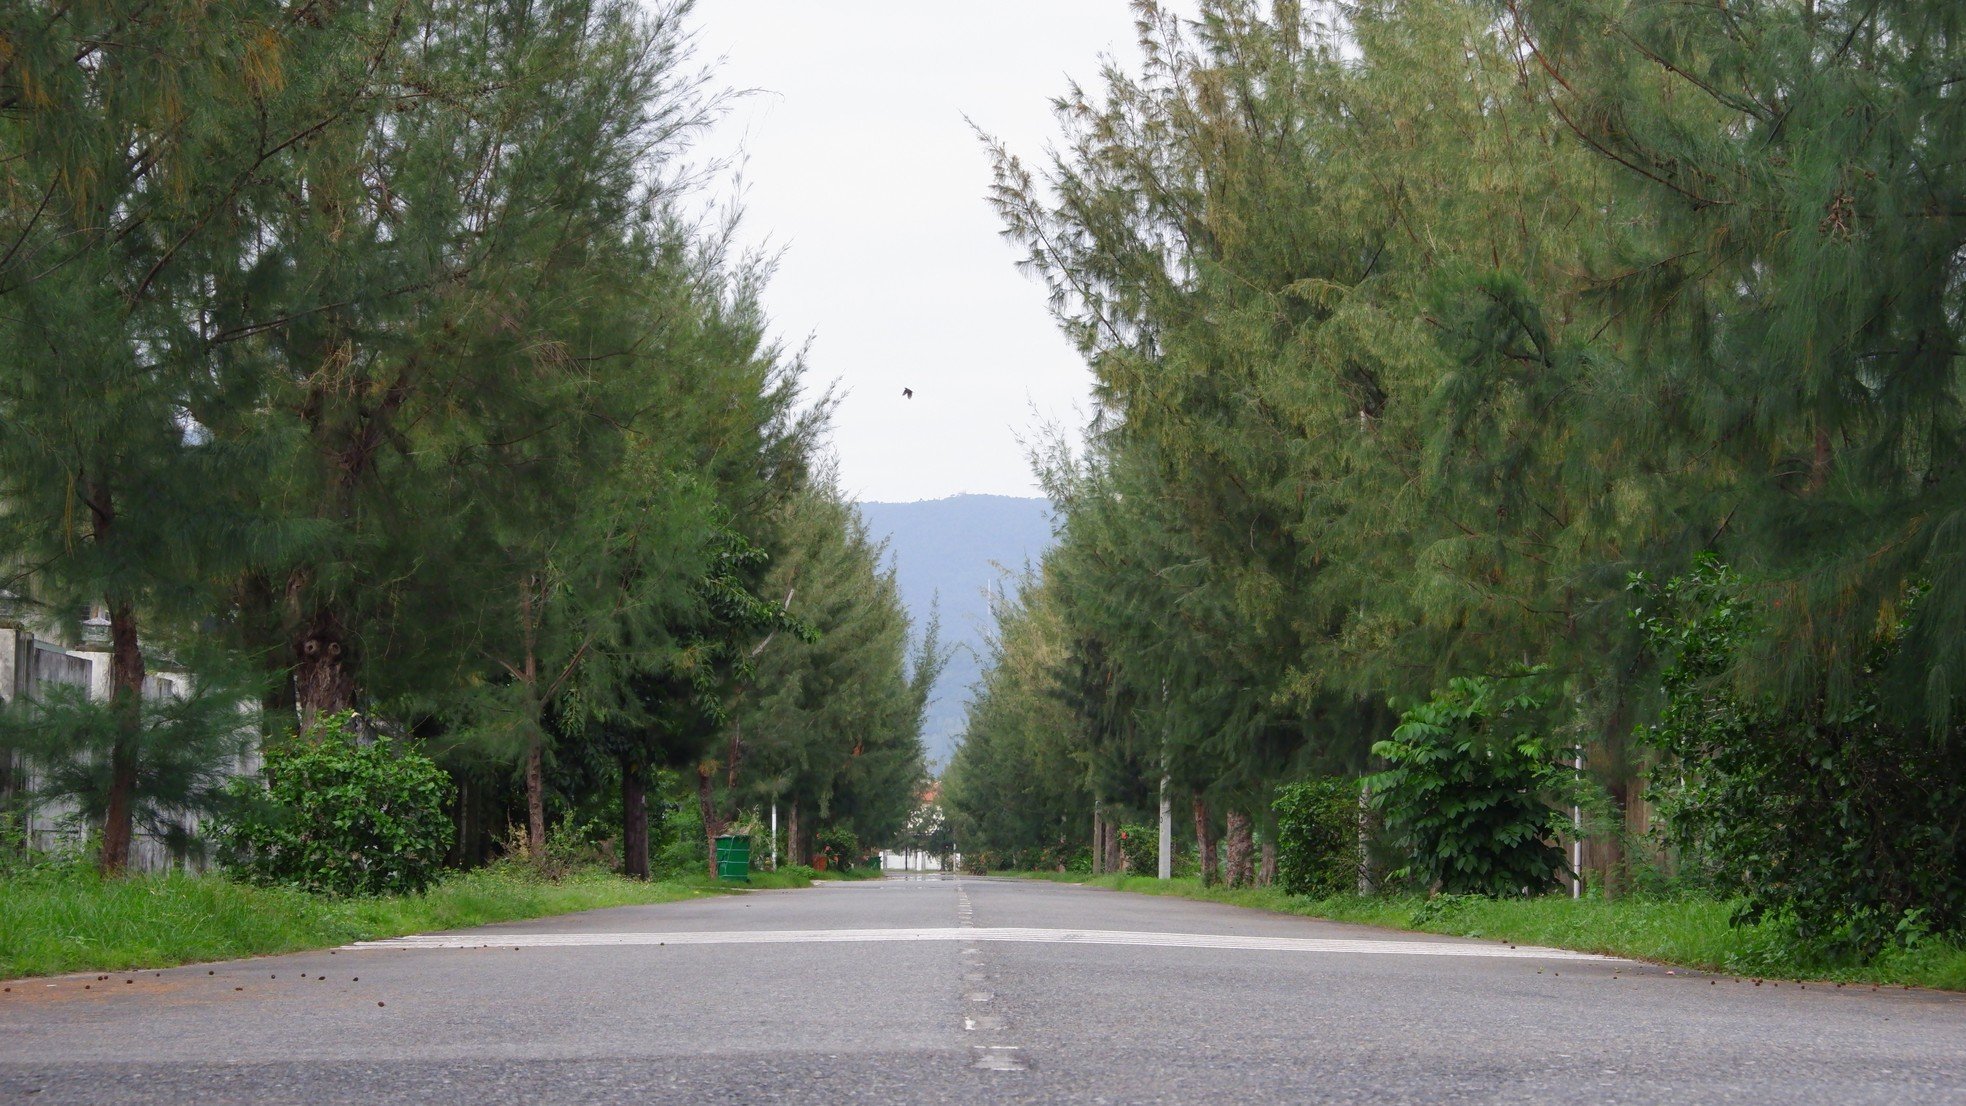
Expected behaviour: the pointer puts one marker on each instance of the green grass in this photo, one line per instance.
(787, 876)
(1691, 932)
(70, 920)
(67, 919)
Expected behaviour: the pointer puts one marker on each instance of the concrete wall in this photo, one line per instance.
(915, 860)
(29, 666)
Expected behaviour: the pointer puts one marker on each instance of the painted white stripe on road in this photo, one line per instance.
(1017, 936)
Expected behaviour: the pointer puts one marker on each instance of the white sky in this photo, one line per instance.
(859, 164)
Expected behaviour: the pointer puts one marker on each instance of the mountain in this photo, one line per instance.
(948, 554)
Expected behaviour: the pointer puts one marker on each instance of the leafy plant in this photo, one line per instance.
(1467, 794)
(1140, 849)
(1832, 812)
(336, 816)
(1317, 836)
(177, 766)
(840, 846)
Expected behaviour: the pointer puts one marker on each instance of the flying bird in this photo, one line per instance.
(907, 393)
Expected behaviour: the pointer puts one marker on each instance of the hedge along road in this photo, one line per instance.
(961, 990)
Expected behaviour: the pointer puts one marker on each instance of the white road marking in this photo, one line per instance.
(1343, 946)
(999, 1058)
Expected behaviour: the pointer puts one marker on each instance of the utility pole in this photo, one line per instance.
(1577, 836)
(1166, 833)
(774, 837)
(1166, 809)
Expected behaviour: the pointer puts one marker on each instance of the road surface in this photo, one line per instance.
(962, 990)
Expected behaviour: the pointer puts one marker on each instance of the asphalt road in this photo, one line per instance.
(970, 990)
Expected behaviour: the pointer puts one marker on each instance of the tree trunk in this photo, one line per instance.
(1267, 873)
(460, 826)
(634, 819)
(264, 637)
(535, 798)
(1365, 825)
(1205, 842)
(1098, 842)
(126, 706)
(535, 733)
(714, 824)
(324, 683)
(1115, 856)
(796, 849)
(1613, 842)
(1241, 848)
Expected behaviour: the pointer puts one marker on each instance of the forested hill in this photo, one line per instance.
(949, 552)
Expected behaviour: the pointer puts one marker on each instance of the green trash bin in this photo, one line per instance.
(734, 858)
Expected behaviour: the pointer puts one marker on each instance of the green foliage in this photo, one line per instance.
(1140, 848)
(1318, 836)
(1827, 811)
(1016, 789)
(1415, 329)
(839, 846)
(1693, 931)
(337, 816)
(833, 722)
(1468, 790)
(180, 761)
(70, 919)
(676, 850)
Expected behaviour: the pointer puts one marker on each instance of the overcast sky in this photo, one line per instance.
(859, 164)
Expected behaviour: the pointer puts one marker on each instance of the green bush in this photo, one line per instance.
(840, 846)
(1317, 836)
(338, 817)
(1835, 813)
(678, 847)
(1467, 796)
(1140, 849)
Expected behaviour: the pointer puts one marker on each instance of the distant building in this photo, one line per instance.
(928, 846)
(34, 658)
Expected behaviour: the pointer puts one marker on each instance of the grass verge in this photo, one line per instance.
(1691, 932)
(70, 920)
(787, 876)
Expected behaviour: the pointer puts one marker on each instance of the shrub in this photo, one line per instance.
(1317, 836)
(677, 847)
(1140, 849)
(840, 846)
(335, 816)
(1831, 811)
(571, 847)
(1467, 792)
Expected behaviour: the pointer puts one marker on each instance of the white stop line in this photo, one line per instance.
(1020, 936)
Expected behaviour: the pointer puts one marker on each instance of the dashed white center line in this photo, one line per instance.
(999, 1058)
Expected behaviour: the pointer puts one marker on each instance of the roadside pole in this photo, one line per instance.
(1166, 809)
(1577, 836)
(1166, 833)
(774, 837)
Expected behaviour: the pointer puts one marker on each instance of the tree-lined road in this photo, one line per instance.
(962, 990)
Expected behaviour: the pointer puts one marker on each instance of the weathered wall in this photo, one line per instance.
(29, 666)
